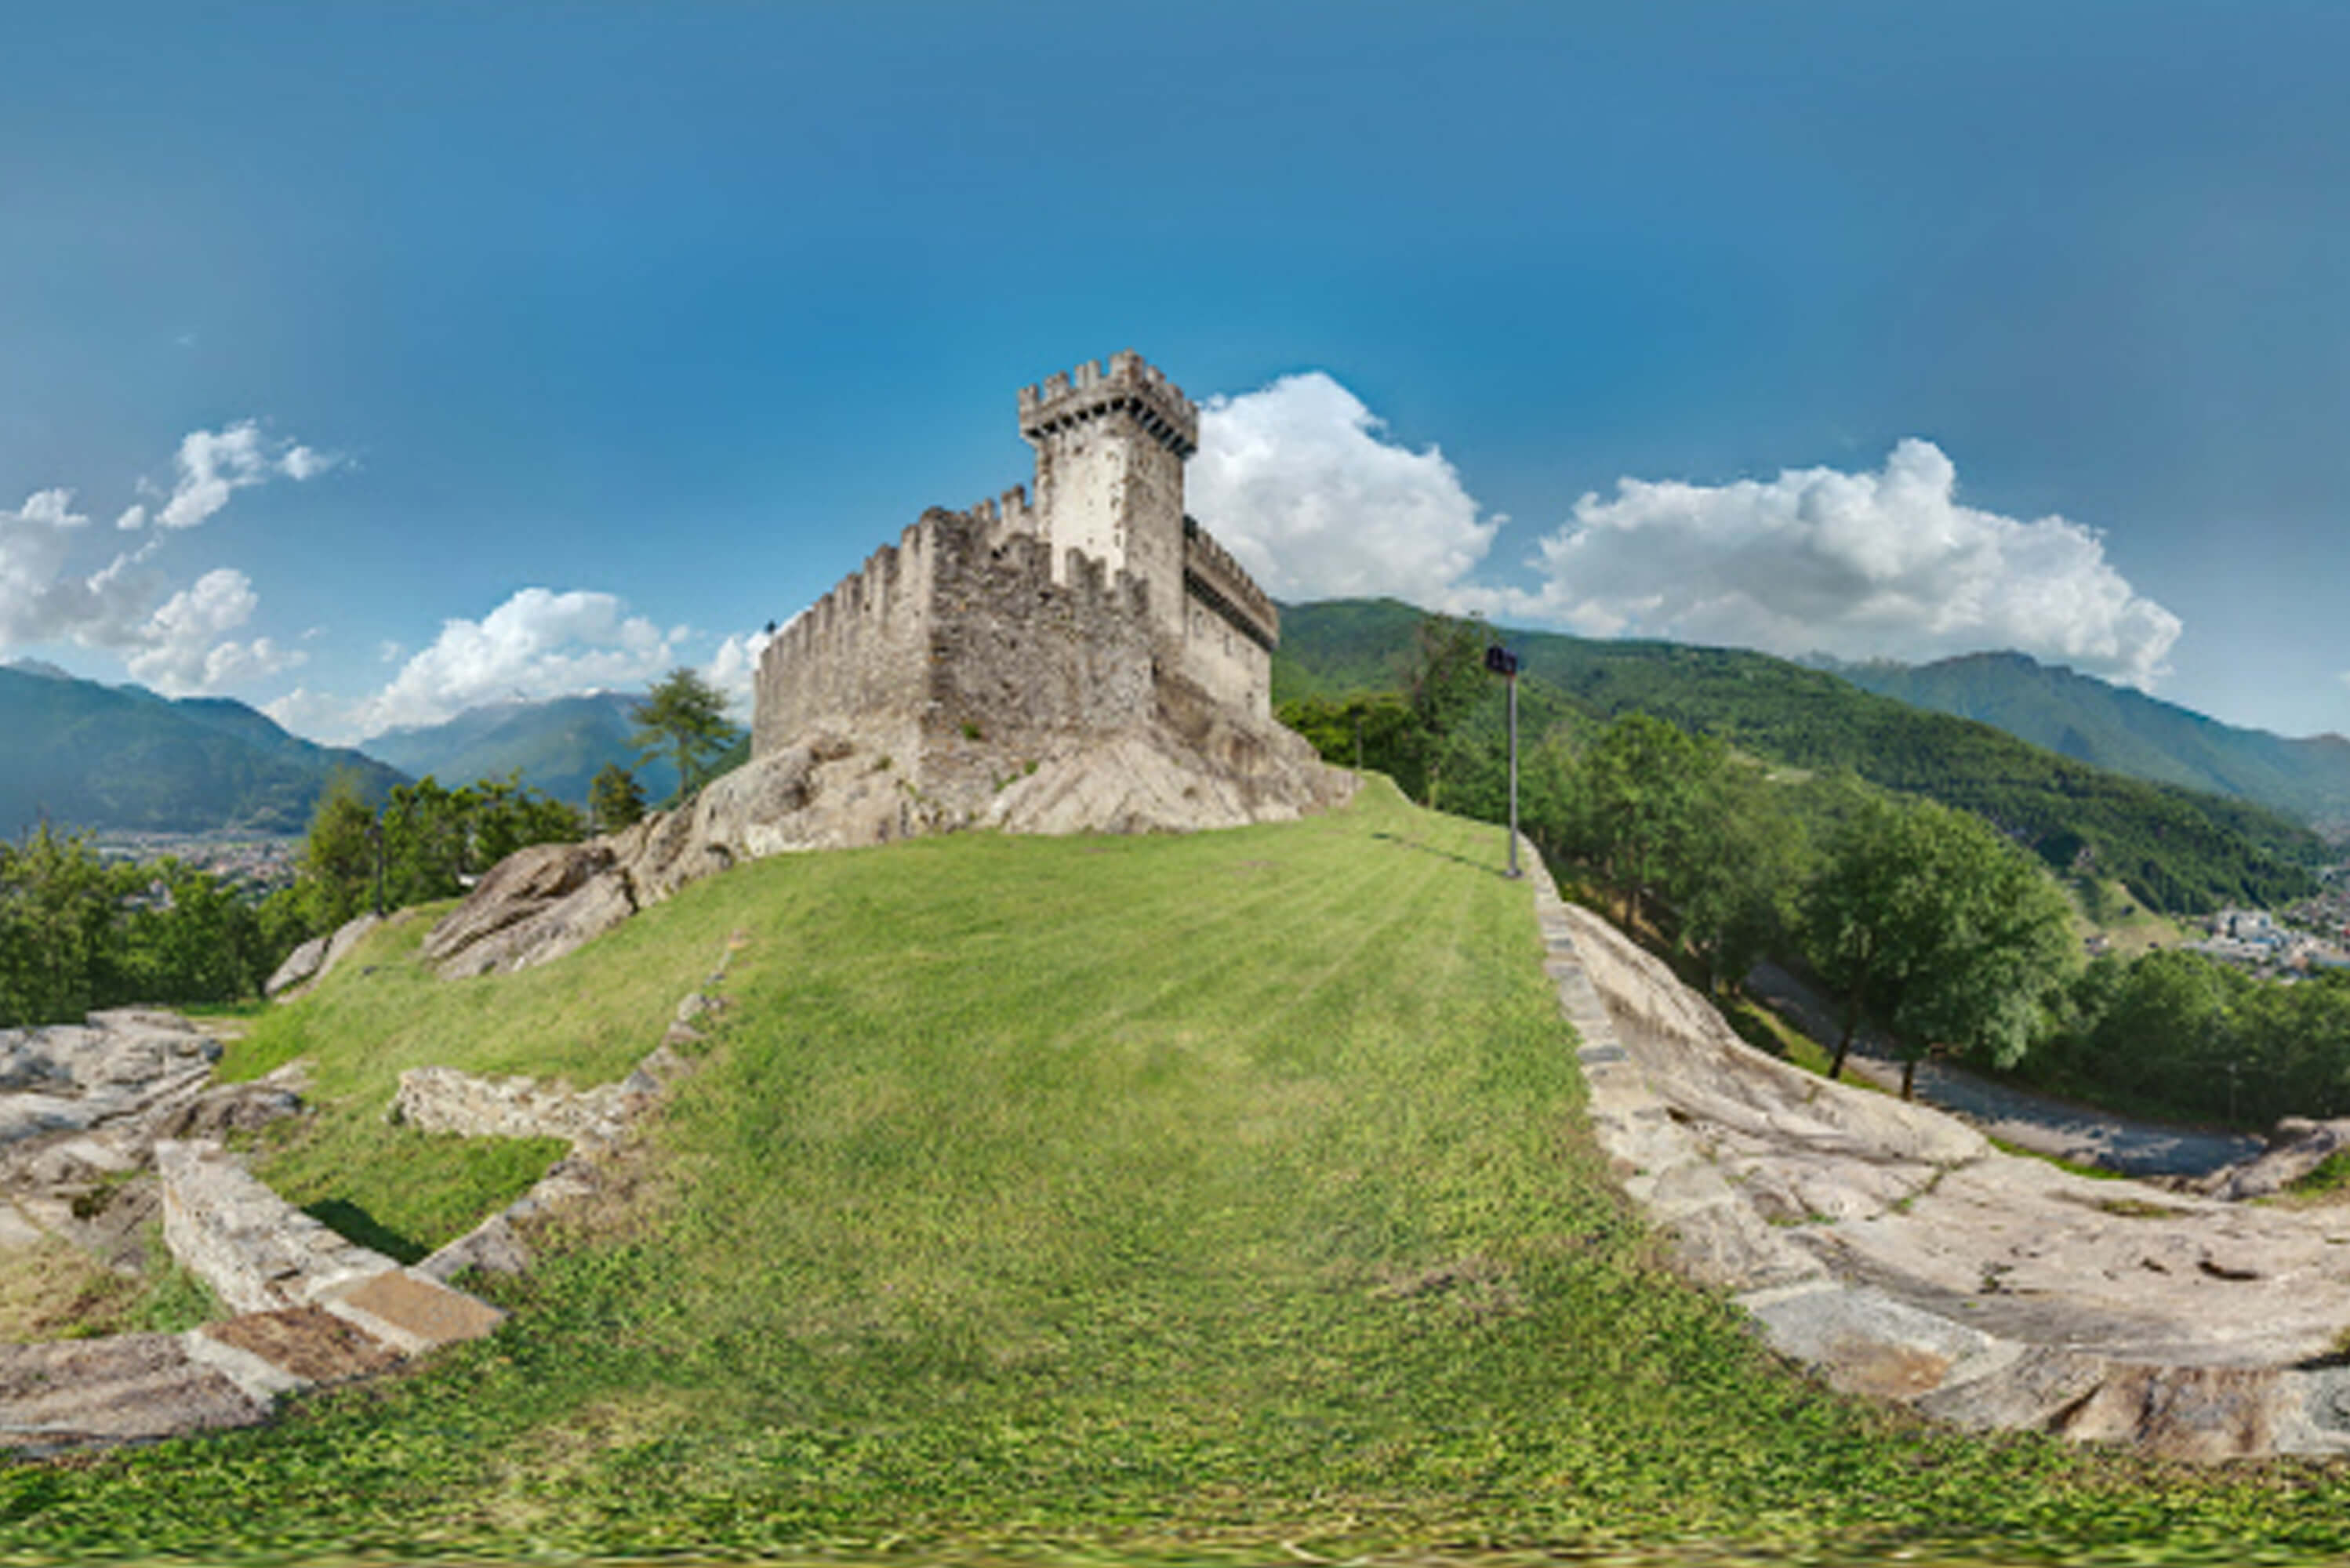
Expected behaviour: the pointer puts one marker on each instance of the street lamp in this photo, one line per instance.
(1504, 663)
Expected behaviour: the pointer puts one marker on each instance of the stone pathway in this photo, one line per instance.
(1894, 1250)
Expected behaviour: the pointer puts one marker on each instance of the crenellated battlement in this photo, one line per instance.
(1129, 386)
(1034, 614)
(1008, 513)
(1213, 576)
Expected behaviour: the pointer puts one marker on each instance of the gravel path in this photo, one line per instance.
(2040, 1122)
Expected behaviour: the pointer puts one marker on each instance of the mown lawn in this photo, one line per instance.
(1222, 1197)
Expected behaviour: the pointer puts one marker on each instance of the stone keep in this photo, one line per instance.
(1091, 609)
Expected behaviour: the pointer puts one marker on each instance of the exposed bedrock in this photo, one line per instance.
(1192, 768)
(1895, 1250)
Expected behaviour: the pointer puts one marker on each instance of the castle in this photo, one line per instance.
(987, 637)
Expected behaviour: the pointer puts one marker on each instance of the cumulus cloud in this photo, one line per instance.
(211, 465)
(1300, 482)
(537, 644)
(1883, 563)
(42, 601)
(166, 638)
(186, 644)
(736, 667)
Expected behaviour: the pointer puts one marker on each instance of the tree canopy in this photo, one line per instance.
(685, 716)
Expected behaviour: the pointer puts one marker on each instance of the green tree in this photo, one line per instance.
(60, 953)
(1736, 871)
(615, 798)
(1443, 681)
(1949, 935)
(684, 716)
(337, 867)
(1640, 789)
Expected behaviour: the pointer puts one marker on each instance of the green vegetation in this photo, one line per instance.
(84, 755)
(78, 934)
(1941, 928)
(615, 799)
(2125, 731)
(2178, 851)
(684, 718)
(1224, 1196)
(2196, 1038)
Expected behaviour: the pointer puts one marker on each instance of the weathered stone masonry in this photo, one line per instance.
(1014, 624)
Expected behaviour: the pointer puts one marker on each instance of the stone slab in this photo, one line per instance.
(131, 1387)
(411, 1312)
(308, 1343)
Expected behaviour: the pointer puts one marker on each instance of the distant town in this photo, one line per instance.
(2307, 937)
(257, 863)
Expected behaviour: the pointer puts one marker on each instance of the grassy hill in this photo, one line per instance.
(558, 745)
(1222, 1198)
(2177, 849)
(87, 755)
(2113, 727)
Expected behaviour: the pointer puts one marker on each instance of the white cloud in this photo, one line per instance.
(537, 644)
(1299, 481)
(186, 644)
(1855, 564)
(736, 667)
(175, 645)
(42, 601)
(211, 466)
(1296, 480)
(303, 712)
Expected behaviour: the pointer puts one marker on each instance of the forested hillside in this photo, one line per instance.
(119, 757)
(2179, 850)
(2113, 727)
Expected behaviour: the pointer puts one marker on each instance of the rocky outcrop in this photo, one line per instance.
(110, 1099)
(316, 959)
(2296, 1148)
(1892, 1249)
(82, 1106)
(1189, 770)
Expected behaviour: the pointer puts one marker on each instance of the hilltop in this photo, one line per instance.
(1028, 1199)
(2177, 849)
(88, 755)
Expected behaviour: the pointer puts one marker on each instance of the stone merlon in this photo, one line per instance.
(1129, 386)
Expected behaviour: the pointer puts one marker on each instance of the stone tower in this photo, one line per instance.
(1110, 448)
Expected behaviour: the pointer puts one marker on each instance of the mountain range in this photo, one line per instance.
(558, 745)
(2127, 730)
(2181, 850)
(82, 754)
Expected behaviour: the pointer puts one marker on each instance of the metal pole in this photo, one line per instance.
(1514, 774)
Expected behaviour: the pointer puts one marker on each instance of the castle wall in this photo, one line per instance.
(959, 640)
(1230, 627)
(859, 657)
(1225, 664)
(1018, 658)
(993, 633)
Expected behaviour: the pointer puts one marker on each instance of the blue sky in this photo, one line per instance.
(450, 353)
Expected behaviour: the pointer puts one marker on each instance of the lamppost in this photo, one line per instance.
(1504, 663)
